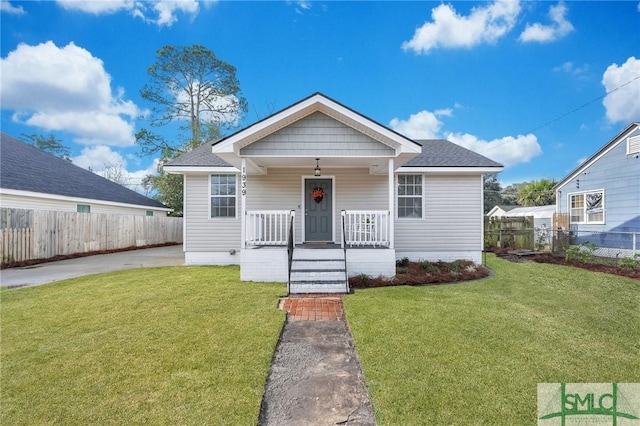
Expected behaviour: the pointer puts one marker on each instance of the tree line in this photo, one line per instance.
(527, 194)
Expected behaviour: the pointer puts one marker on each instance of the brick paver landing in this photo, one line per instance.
(313, 307)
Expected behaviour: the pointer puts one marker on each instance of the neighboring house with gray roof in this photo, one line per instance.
(33, 179)
(337, 180)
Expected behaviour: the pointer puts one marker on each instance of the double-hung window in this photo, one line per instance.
(223, 196)
(410, 196)
(587, 207)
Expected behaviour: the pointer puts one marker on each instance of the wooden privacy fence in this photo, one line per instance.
(512, 232)
(42, 234)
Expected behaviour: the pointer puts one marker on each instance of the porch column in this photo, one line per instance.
(392, 211)
(243, 202)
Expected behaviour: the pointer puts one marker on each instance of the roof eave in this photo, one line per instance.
(19, 192)
(450, 170)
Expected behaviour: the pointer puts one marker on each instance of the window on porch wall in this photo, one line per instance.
(223, 196)
(410, 196)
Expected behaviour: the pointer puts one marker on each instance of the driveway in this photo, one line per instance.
(44, 273)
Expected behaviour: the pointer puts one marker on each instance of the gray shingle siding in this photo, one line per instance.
(26, 168)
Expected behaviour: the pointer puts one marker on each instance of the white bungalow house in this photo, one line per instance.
(321, 175)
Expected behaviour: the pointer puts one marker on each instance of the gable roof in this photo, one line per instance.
(436, 153)
(620, 137)
(26, 168)
(229, 147)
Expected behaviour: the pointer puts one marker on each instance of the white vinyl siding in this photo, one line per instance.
(587, 207)
(452, 217)
(203, 234)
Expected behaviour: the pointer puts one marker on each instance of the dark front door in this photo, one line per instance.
(318, 213)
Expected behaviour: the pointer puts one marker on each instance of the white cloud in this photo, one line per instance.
(219, 109)
(547, 33)
(422, 125)
(161, 12)
(66, 89)
(570, 68)
(7, 7)
(580, 160)
(101, 158)
(167, 10)
(507, 150)
(97, 158)
(97, 7)
(623, 83)
(449, 30)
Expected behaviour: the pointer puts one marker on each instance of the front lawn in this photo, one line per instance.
(473, 353)
(180, 345)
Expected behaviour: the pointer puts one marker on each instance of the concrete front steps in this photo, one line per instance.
(318, 271)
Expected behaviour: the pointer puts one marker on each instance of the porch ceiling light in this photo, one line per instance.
(317, 170)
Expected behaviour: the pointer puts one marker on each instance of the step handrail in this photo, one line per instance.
(290, 248)
(343, 213)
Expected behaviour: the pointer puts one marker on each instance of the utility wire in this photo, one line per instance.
(560, 117)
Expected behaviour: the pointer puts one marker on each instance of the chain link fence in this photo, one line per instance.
(607, 244)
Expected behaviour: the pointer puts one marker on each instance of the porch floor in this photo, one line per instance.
(313, 307)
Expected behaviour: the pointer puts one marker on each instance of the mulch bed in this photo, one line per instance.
(607, 269)
(515, 256)
(424, 273)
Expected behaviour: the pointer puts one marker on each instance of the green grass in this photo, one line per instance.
(179, 345)
(473, 353)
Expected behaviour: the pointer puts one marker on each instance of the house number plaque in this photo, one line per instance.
(243, 178)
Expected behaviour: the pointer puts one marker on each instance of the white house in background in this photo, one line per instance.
(499, 210)
(321, 175)
(33, 179)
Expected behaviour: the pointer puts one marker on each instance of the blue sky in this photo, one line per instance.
(523, 83)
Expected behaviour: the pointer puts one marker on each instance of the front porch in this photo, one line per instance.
(272, 252)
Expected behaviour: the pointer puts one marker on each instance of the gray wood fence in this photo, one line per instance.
(42, 234)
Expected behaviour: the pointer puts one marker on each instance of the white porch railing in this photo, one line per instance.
(267, 227)
(366, 227)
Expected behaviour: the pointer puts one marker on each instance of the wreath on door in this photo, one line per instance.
(317, 194)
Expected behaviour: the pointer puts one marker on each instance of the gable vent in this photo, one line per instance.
(633, 145)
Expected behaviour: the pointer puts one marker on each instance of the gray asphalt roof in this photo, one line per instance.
(200, 156)
(435, 153)
(442, 153)
(26, 168)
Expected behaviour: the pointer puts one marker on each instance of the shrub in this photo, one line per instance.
(402, 262)
(630, 262)
(582, 252)
(430, 268)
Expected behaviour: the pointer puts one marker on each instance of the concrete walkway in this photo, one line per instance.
(44, 273)
(315, 377)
